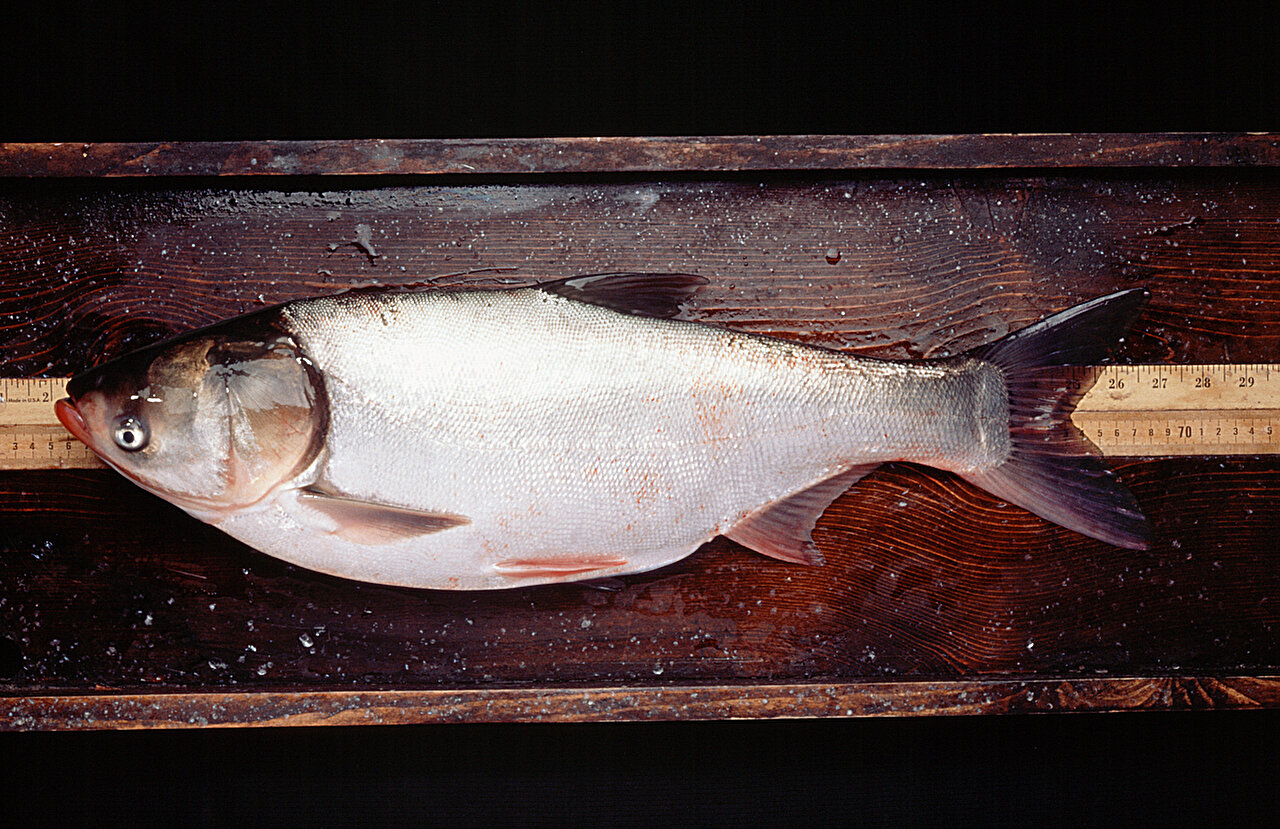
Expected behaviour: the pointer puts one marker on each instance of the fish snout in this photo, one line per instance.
(71, 419)
(79, 417)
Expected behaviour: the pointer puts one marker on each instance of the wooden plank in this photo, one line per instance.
(519, 156)
(652, 704)
(105, 590)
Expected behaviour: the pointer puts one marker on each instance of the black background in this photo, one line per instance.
(1078, 770)
(433, 70)
(422, 69)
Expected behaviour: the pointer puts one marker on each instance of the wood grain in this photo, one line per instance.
(645, 704)
(519, 156)
(105, 590)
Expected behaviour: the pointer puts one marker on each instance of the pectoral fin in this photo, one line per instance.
(365, 522)
(781, 529)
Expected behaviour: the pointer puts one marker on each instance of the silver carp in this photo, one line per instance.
(479, 439)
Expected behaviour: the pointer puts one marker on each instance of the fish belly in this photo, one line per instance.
(565, 432)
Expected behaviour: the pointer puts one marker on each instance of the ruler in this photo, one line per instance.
(1129, 411)
(1150, 411)
(30, 435)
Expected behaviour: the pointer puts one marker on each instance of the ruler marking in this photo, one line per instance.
(30, 435)
(1179, 409)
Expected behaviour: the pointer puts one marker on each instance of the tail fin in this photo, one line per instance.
(1051, 470)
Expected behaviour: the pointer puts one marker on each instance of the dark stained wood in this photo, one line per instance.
(936, 598)
(647, 704)
(640, 155)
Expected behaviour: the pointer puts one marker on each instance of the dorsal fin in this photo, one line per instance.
(645, 294)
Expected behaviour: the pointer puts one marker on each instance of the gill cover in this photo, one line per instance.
(273, 412)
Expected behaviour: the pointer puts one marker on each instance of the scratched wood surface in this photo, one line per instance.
(118, 609)
(639, 154)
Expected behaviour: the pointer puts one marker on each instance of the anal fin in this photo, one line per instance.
(781, 529)
(367, 522)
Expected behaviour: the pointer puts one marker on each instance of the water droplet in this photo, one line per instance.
(833, 255)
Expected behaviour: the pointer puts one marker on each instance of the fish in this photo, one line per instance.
(478, 439)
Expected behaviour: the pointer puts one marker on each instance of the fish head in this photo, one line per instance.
(212, 421)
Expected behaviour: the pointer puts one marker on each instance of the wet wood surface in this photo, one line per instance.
(117, 609)
(515, 156)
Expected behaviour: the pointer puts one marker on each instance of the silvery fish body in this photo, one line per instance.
(482, 439)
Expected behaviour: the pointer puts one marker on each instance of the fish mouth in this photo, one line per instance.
(71, 419)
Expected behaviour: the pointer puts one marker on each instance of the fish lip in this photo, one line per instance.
(71, 419)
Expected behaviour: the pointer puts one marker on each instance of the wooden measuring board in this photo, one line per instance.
(1130, 411)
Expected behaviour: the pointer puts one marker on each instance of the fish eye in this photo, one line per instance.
(131, 434)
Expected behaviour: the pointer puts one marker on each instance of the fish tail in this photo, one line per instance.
(1052, 469)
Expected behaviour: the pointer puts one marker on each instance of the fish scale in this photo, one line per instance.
(563, 426)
